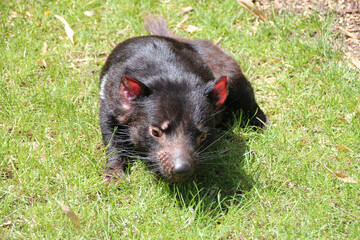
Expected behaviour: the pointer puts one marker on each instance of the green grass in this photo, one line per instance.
(270, 185)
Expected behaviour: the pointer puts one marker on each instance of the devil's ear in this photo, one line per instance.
(219, 92)
(130, 89)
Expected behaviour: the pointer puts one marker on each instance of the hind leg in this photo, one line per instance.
(241, 97)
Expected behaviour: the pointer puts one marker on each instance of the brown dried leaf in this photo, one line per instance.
(191, 28)
(28, 15)
(69, 213)
(342, 177)
(356, 62)
(186, 9)
(249, 5)
(9, 222)
(349, 34)
(42, 63)
(89, 13)
(6, 223)
(276, 7)
(12, 14)
(275, 61)
(343, 147)
(68, 30)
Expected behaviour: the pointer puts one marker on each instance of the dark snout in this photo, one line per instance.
(179, 163)
(182, 168)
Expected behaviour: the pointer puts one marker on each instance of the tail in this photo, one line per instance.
(157, 26)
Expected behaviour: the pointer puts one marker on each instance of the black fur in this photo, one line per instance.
(171, 113)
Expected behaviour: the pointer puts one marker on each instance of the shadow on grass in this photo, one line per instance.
(220, 182)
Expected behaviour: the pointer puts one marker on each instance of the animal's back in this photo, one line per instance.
(241, 94)
(149, 55)
(219, 61)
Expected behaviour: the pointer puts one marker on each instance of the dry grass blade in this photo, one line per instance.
(44, 49)
(183, 20)
(354, 61)
(249, 5)
(68, 30)
(217, 41)
(186, 9)
(349, 34)
(70, 214)
(341, 177)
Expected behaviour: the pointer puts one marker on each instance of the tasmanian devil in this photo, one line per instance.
(161, 97)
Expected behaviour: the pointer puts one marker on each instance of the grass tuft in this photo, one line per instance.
(254, 185)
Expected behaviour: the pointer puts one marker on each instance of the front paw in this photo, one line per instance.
(116, 174)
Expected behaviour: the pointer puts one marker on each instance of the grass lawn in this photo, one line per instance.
(276, 184)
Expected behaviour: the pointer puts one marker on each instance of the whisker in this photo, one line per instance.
(215, 141)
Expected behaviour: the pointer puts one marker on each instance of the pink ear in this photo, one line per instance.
(130, 88)
(219, 93)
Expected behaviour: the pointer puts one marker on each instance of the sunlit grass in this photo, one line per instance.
(268, 185)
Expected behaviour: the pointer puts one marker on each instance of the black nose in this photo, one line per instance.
(182, 168)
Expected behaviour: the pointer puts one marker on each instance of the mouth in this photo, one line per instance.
(180, 178)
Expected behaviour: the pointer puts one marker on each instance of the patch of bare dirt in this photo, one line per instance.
(348, 13)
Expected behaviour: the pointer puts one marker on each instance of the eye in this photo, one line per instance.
(155, 132)
(202, 137)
